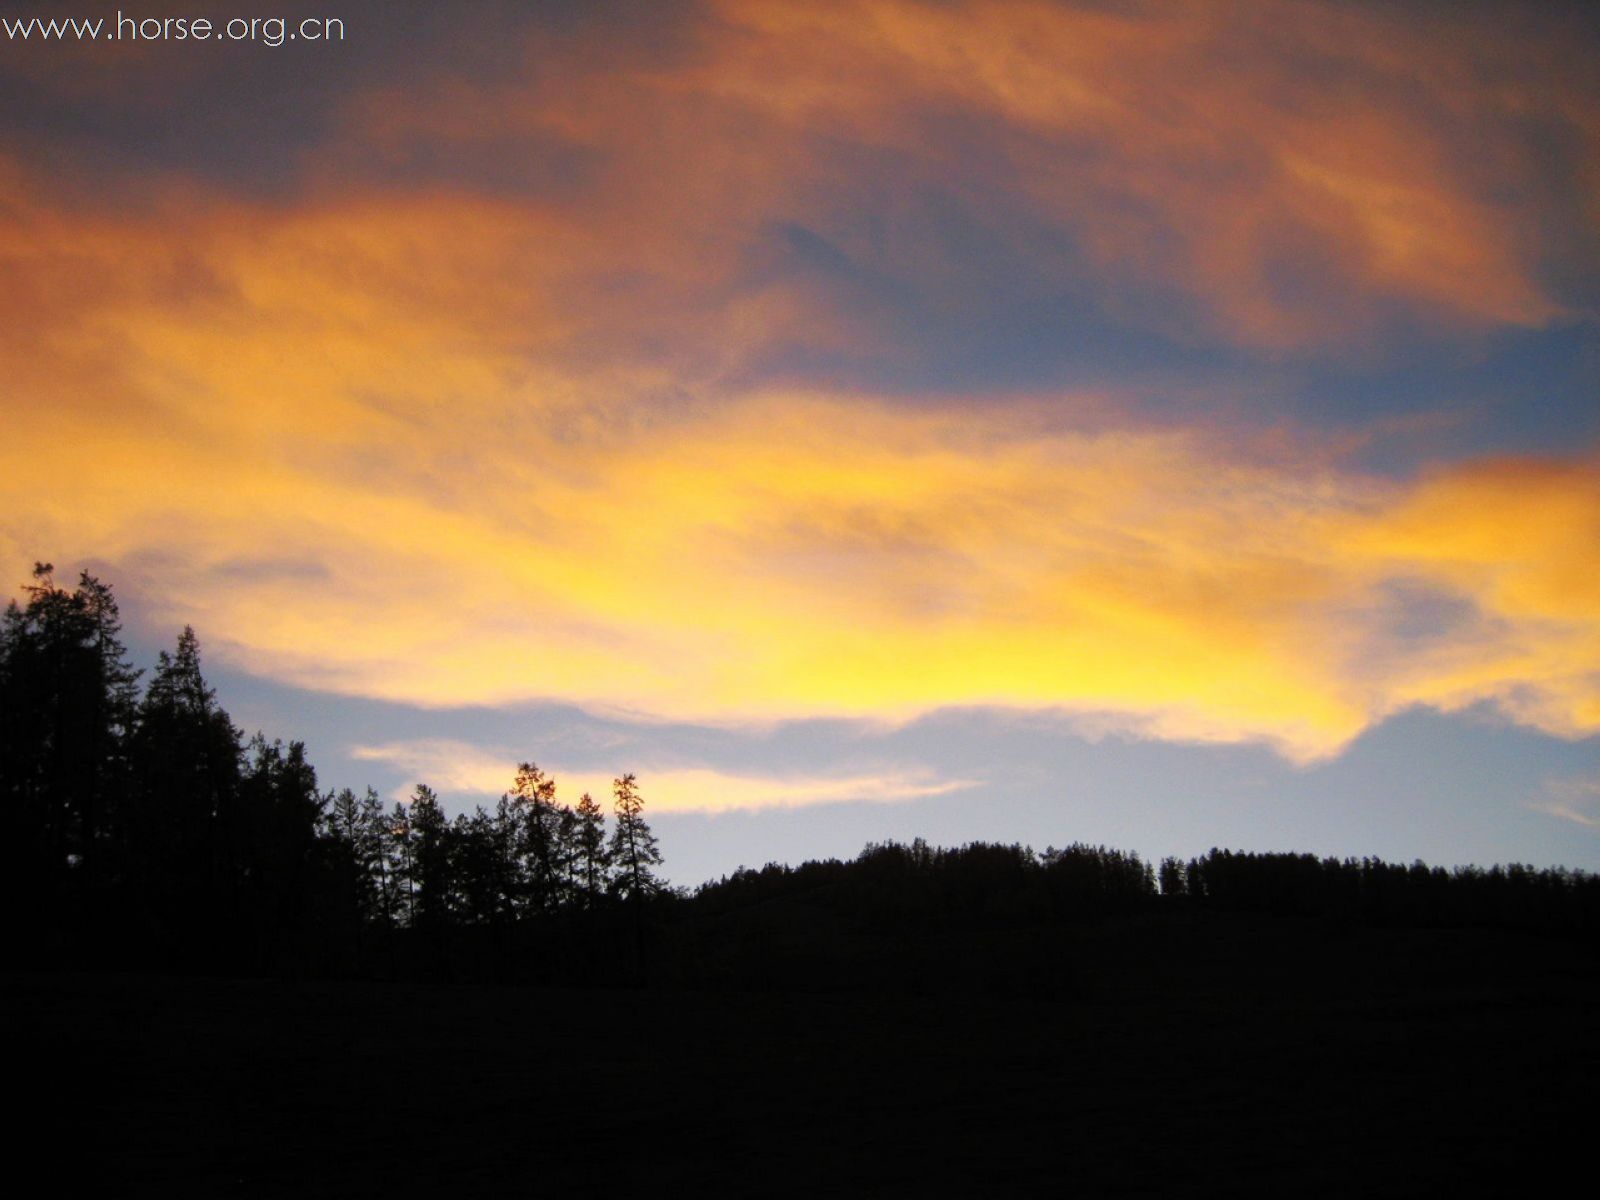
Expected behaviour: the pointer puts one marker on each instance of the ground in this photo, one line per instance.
(1197, 1056)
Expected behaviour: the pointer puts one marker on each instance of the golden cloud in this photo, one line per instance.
(346, 484)
(448, 448)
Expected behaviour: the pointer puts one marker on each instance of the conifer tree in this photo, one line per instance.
(272, 867)
(356, 829)
(431, 859)
(566, 856)
(475, 868)
(589, 846)
(539, 843)
(633, 850)
(67, 703)
(510, 883)
(185, 753)
(399, 872)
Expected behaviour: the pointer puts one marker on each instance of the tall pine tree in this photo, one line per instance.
(185, 836)
(589, 847)
(633, 850)
(540, 842)
(432, 859)
(67, 702)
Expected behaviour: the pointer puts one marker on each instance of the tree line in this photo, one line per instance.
(1513, 896)
(984, 884)
(144, 829)
(532, 856)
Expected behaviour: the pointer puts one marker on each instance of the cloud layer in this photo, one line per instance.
(720, 188)
(366, 489)
(545, 382)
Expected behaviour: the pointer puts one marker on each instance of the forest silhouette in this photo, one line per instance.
(148, 831)
(235, 960)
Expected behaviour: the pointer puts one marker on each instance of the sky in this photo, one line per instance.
(1156, 425)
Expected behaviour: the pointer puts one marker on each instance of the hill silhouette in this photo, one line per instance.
(244, 985)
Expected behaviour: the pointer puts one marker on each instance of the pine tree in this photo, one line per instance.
(183, 835)
(539, 843)
(633, 850)
(272, 861)
(566, 856)
(476, 869)
(399, 886)
(356, 829)
(1172, 878)
(510, 882)
(67, 702)
(433, 869)
(589, 844)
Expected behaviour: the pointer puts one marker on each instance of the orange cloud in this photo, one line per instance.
(449, 448)
(1284, 175)
(348, 486)
(1294, 168)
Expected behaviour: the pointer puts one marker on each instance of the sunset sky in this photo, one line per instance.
(1166, 425)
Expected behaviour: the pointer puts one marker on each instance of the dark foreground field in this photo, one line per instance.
(1196, 1054)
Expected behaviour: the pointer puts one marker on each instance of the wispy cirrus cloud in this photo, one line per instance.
(1574, 799)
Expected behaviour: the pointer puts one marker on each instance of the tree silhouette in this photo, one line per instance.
(143, 831)
(589, 843)
(356, 830)
(633, 850)
(509, 880)
(1172, 879)
(273, 861)
(538, 824)
(400, 869)
(67, 703)
(431, 860)
(183, 835)
(475, 868)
